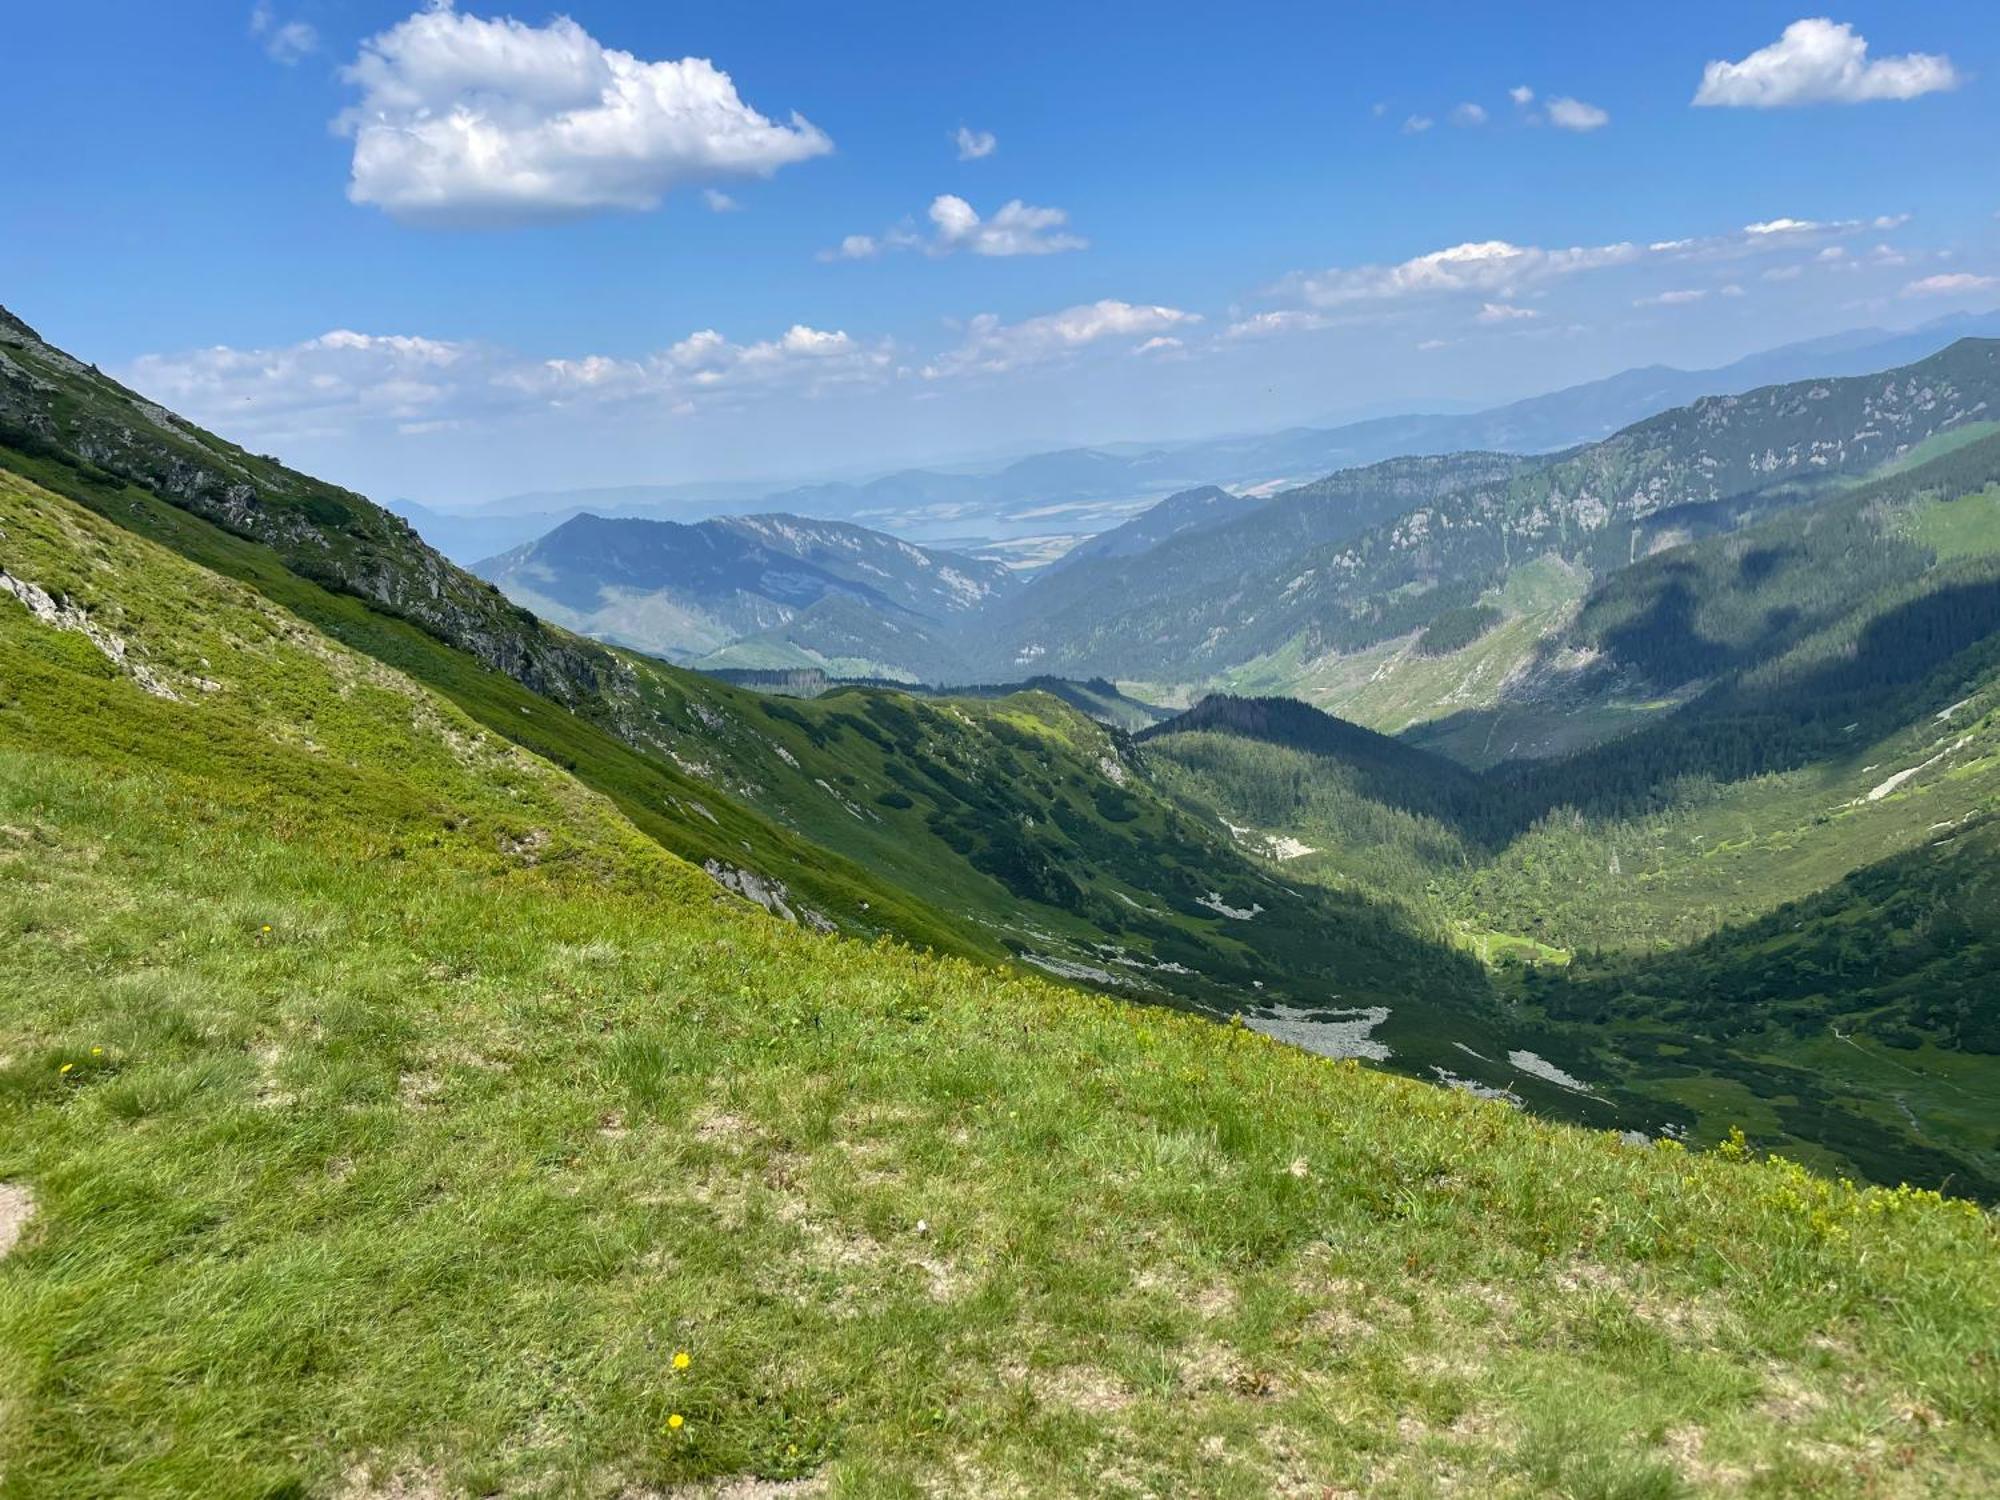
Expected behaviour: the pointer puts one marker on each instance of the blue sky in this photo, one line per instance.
(1223, 220)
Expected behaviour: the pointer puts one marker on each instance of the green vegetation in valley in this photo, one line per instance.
(382, 1112)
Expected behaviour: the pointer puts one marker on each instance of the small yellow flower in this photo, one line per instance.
(681, 1360)
(97, 1052)
(64, 1068)
(267, 926)
(676, 1422)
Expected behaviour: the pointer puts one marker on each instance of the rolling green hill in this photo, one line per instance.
(386, 1112)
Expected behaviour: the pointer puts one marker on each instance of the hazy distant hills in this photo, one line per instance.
(1342, 590)
(686, 591)
(1362, 568)
(1087, 490)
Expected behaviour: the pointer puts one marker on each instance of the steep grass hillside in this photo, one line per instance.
(383, 1113)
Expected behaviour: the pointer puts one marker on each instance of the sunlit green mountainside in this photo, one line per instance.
(1704, 468)
(385, 1113)
(689, 592)
(1010, 828)
(1848, 712)
(1007, 828)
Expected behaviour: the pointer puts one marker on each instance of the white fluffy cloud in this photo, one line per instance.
(1678, 298)
(1488, 266)
(1417, 124)
(993, 347)
(1818, 61)
(975, 145)
(1574, 114)
(465, 121)
(1281, 320)
(1522, 95)
(1952, 284)
(1497, 275)
(286, 42)
(1015, 228)
(1468, 114)
(344, 383)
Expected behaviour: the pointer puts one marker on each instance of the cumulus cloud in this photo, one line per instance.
(974, 145)
(1468, 114)
(1498, 273)
(992, 347)
(1283, 320)
(1522, 95)
(1015, 228)
(470, 122)
(286, 42)
(1680, 298)
(1951, 284)
(1417, 124)
(1818, 61)
(345, 383)
(719, 201)
(1489, 266)
(1574, 114)
(1504, 312)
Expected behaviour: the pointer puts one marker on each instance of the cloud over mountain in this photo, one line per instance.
(467, 122)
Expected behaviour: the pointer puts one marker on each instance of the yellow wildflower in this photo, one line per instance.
(681, 1360)
(64, 1068)
(675, 1422)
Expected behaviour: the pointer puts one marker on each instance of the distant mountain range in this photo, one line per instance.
(1207, 588)
(1085, 491)
(835, 593)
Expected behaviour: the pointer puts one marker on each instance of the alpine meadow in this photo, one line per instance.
(699, 803)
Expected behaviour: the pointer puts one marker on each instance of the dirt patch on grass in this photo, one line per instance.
(1688, 1319)
(360, 1483)
(744, 1487)
(1684, 1451)
(1083, 1388)
(17, 1207)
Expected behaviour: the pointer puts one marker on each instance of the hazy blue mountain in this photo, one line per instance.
(1092, 489)
(686, 591)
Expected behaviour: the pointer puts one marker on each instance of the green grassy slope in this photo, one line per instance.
(382, 1112)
